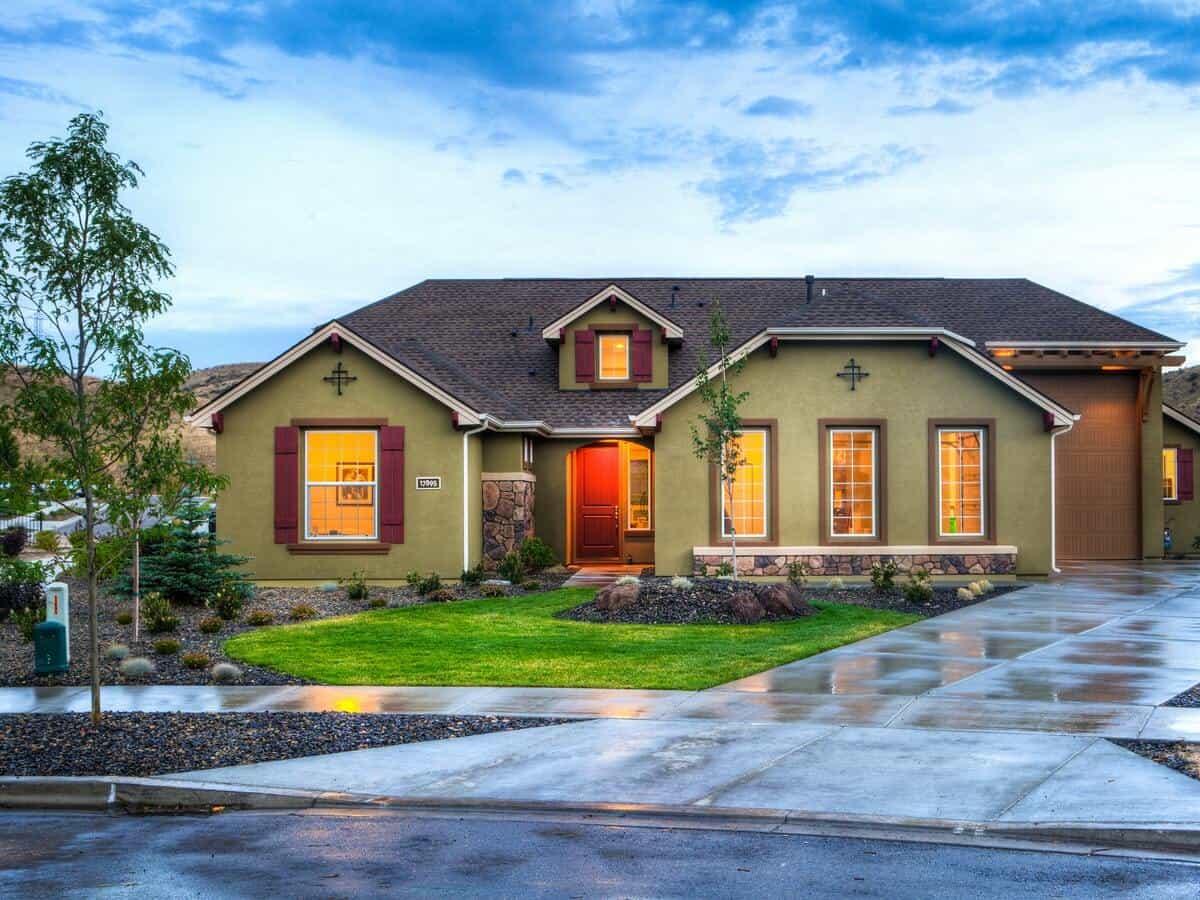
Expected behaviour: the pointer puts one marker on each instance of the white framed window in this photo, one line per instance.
(341, 486)
(748, 512)
(613, 351)
(962, 480)
(527, 452)
(1170, 484)
(637, 511)
(853, 480)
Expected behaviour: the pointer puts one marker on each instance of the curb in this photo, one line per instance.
(161, 795)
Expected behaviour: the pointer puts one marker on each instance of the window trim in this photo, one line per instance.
(305, 484)
(988, 426)
(649, 490)
(526, 453)
(600, 338)
(1173, 501)
(716, 526)
(826, 537)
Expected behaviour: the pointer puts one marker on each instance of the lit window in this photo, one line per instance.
(638, 517)
(527, 452)
(748, 512)
(852, 482)
(614, 357)
(960, 481)
(1170, 484)
(339, 484)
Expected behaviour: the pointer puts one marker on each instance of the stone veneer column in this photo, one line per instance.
(507, 513)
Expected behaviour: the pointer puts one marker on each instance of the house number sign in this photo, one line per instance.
(429, 482)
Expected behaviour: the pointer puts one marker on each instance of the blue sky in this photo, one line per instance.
(303, 158)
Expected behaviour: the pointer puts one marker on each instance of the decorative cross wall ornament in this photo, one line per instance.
(339, 376)
(854, 372)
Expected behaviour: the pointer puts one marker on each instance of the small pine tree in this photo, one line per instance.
(187, 566)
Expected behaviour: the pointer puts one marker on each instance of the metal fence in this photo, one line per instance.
(31, 522)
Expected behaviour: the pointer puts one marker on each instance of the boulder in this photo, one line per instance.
(777, 600)
(617, 597)
(745, 608)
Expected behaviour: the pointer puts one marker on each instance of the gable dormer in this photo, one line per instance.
(612, 340)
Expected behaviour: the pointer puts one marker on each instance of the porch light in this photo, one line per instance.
(1005, 353)
(1114, 368)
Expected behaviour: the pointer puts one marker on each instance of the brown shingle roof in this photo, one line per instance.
(480, 339)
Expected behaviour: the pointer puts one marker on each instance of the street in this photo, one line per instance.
(389, 853)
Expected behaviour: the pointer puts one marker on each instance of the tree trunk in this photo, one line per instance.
(732, 527)
(93, 617)
(137, 587)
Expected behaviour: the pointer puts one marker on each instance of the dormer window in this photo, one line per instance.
(613, 350)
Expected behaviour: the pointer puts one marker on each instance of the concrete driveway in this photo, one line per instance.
(989, 714)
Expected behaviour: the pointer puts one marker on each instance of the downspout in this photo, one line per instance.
(1053, 498)
(483, 424)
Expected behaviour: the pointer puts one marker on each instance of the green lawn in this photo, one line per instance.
(519, 642)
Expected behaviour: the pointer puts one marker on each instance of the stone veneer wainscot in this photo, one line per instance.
(507, 513)
(830, 561)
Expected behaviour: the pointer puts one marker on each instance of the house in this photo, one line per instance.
(990, 426)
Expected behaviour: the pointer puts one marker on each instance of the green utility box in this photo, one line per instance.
(49, 648)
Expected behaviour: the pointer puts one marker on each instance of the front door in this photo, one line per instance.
(597, 502)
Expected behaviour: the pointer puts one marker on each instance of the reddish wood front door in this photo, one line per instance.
(597, 502)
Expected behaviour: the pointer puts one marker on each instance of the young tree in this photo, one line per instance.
(78, 280)
(715, 432)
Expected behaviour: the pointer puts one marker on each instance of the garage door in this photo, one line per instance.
(1098, 465)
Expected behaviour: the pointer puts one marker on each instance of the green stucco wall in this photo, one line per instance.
(600, 316)
(550, 506)
(433, 519)
(502, 452)
(1182, 518)
(1152, 443)
(906, 387)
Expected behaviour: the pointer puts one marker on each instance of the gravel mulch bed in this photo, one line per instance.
(707, 601)
(141, 744)
(1182, 756)
(16, 657)
(1189, 698)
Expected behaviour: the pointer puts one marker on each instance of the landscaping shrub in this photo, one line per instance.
(211, 625)
(257, 617)
(226, 673)
(124, 617)
(883, 575)
(328, 587)
(187, 567)
(26, 620)
(424, 584)
(356, 585)
(377, 603)
(441, 595)
(116, 651)
(987, 586)
(157, 614)
(46, 541)
(492, 590)
(836, 583)
(531, 584)
(301, 612)
(195, 660)
(21, 584)
(919, 587)
(724, 570)
(975, 588)
(167, 647)
(12, 541)
(681, 584)
(965, 595)
(112, 556)
(511, 568)
(473, 576)
(627, 579)
(536, 554)
(798, 573)
(229, 599)
(137, 667)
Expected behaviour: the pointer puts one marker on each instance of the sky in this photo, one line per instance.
(303, 158)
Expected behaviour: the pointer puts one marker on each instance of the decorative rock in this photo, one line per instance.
(746, 608)
(617, 596)
(777, 600)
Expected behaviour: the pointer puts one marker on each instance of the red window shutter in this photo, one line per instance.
(643, 355)
(1186, 491)
(287, 483)
(585, 356)
(391, 484)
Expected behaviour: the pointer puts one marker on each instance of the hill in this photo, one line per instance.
(1181, 389)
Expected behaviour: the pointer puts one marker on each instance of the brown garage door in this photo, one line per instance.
(1098, 493)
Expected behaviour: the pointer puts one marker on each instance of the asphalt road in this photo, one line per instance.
(388, 854)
